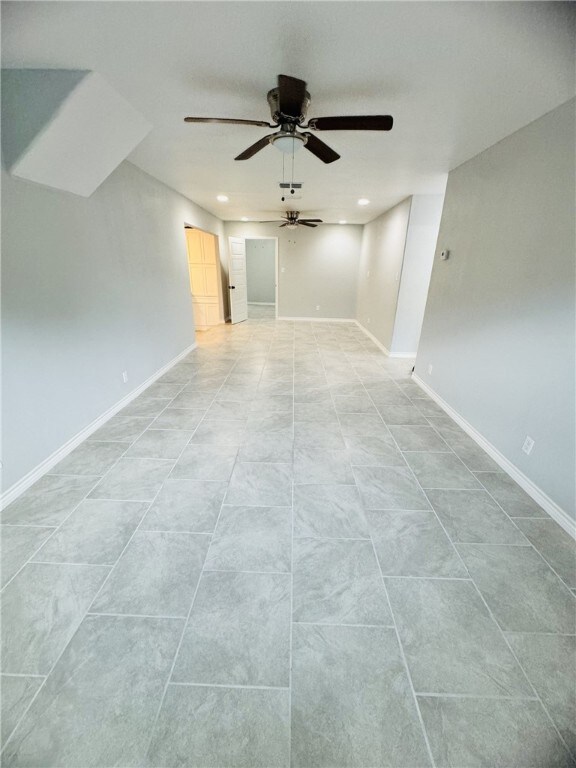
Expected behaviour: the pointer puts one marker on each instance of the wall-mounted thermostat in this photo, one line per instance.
(444, 255)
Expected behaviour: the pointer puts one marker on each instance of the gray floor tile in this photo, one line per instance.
(473, 517)
(389, 488)
(327, 466)
(338, 582)
(122, 428)
(178, 418)
(386, 393)
(228, 411)
(481, 733)
(238, 632)
(357, 403)
(451, 642)
(186, 505)
(49, 501)
(351, 700)
(16, 693)
(418, 438)
(470, 452)
(412, 543)
(146, 408)
(159, 444)
(201, 727)
(550, 663)
(260, 484)
(520, 589)
(554, 544)
(272, 448)
(362, 424)
(329, 511)
(272, 404)
(272, 423)
(163, 390)
(319, 436)
(441, 470)
(316, 413)
(18, 544)
(156, 575)
(513, 500)
(90, 458)
(401, 414)
(99, 704)
(193, 398)
(95, 533)
(221, 432)
(426, 405)
(133, 480)
(371, 451)
(252, 539)
(41, 609)
(206, 462)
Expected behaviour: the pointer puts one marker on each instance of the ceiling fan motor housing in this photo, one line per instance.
(277, 117)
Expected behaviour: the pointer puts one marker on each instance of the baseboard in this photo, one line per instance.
(540, 497)
(262, 303)
(317, 319)
(45, 466)
(381, 346)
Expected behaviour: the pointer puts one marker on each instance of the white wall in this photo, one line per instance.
(423, 226)
(261, 271)
(90, 287)
(317, 267)
(499, 324)
(383, 246)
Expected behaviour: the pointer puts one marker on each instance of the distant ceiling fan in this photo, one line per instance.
(289, 103)
(293, 220)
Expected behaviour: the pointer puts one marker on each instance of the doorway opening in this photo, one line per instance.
(261, 277)
(205, 278)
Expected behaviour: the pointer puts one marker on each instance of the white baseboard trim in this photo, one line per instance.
(262, 303)
(317, 319)
(540, 497)
(382, 347)
(45, 466)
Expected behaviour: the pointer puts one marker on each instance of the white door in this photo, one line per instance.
(237, 280)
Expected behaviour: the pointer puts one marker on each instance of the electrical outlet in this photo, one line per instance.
(125, 377)
(528, 445)
(317, 307)
(430, 370)
(368, 321)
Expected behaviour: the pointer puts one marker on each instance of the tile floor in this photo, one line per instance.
(284, 554)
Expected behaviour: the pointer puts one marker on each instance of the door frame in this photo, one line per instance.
(276, 270)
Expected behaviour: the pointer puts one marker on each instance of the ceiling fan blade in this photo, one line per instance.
(228, 120)
(284, 225)
(291, 95)
(251, 151)
(319, 221)
(321, 150)
(352, 123)
(307, 224)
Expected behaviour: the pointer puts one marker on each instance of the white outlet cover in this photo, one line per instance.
(430, 369)
(528, 445)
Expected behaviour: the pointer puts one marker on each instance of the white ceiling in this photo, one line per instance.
(456, 76)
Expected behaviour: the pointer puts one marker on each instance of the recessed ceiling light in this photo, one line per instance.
(363, 201)
(342, 221)
(222, 198)
(245, 218)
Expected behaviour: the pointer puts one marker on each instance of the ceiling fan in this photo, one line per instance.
(289, 103)
(292, 220)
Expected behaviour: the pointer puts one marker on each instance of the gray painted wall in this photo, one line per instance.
(91, 287)
(499, 324)
(423, 226)
(261, 271)
(383, 246)
(317, 267)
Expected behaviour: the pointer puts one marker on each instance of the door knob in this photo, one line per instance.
(231, 286)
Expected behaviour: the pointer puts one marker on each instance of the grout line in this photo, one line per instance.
(21, 674)
(336, 624)
(235, 687)
(134, 615)
(475, 696)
